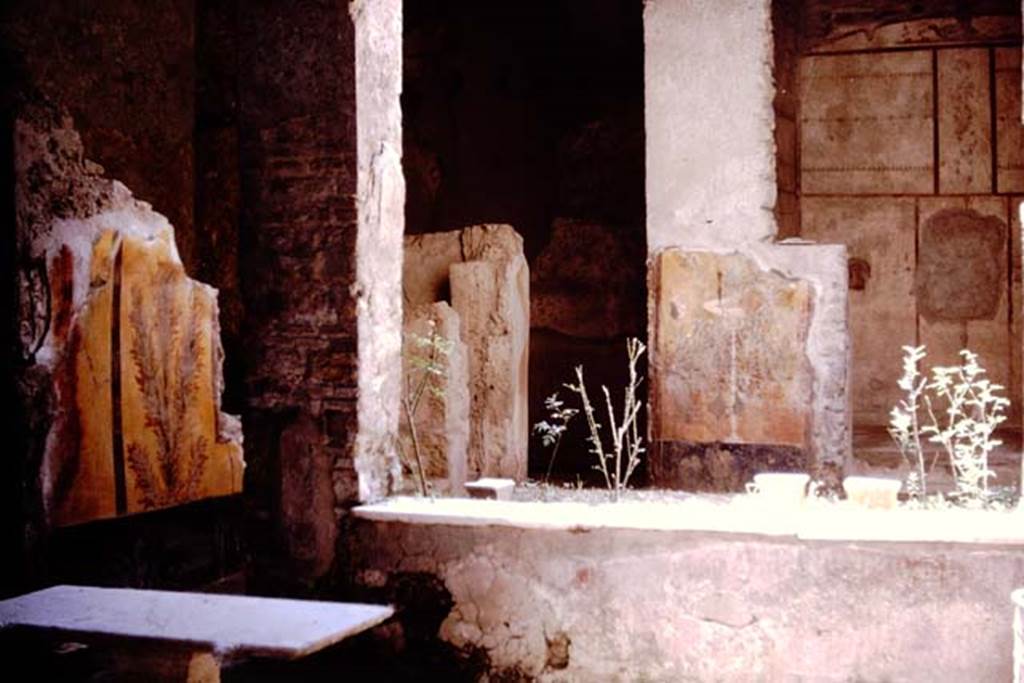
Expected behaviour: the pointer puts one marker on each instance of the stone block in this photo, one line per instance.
(493, 301)
(442, 419)
(491, 488)
(426, 261)
(866, 123)
(729, 362)
(483, 271)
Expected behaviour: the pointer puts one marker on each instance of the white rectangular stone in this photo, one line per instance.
(230, 626)
(492, 488)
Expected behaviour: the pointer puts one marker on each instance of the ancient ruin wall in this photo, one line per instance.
(322, 193)
(122, 350)
(584, 604)
(711, 189)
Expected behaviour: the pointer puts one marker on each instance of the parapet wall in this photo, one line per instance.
(566, 593)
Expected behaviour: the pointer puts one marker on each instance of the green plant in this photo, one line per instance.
(616, 463)
(551, 432)
(972, 411)
(426, 368)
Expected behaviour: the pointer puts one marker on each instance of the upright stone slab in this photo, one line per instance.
(492, 297)
(442, 420)
(485, 272)
(123, 347)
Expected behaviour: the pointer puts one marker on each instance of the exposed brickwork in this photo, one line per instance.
(298, 226)
(305, 181)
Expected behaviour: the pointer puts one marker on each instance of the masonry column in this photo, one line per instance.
(748, 337)
(321, 232)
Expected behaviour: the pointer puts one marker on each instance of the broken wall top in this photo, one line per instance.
(125, 346)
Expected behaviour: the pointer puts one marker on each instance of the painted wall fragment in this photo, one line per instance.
(129, 346)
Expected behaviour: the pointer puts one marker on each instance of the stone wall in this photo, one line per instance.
(894, 145)
(322, 225)
(128, 74)
(120, 358)
(590, 603)
(744, 362)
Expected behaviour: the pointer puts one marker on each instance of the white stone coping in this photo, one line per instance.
(229, 626)
(742, 515)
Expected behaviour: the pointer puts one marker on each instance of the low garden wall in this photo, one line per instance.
(702, 591)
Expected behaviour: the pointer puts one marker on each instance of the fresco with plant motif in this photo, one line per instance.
(143, 372)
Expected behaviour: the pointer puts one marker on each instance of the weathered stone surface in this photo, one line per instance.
(442, 420)
(709, 185)
(836, 25)
(866, 123)
(1009, 130)
(980, 261)
(731, 361)
(483, 270)
(493, 301)
(665, 605)
(881, 235)
(965, 117)
(319, 139)
(428, 257)
(824, 267)
(132, 349)
(126, 71)
(588, 282)
(426, 260)
(380, 206)
(961, 272)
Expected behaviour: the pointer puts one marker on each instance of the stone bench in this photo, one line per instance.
(187, 636)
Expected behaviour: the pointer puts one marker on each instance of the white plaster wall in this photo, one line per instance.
(709, 123)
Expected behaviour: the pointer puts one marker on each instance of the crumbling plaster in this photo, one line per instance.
(672, 605)
(711, 177)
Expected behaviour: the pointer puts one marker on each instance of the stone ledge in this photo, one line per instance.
(825, 522)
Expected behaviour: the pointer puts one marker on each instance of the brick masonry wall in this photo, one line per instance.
(298, 227)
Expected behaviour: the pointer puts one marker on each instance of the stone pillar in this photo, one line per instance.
(749, 352)
(321, 225)
(710, 148)
(381, 216)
